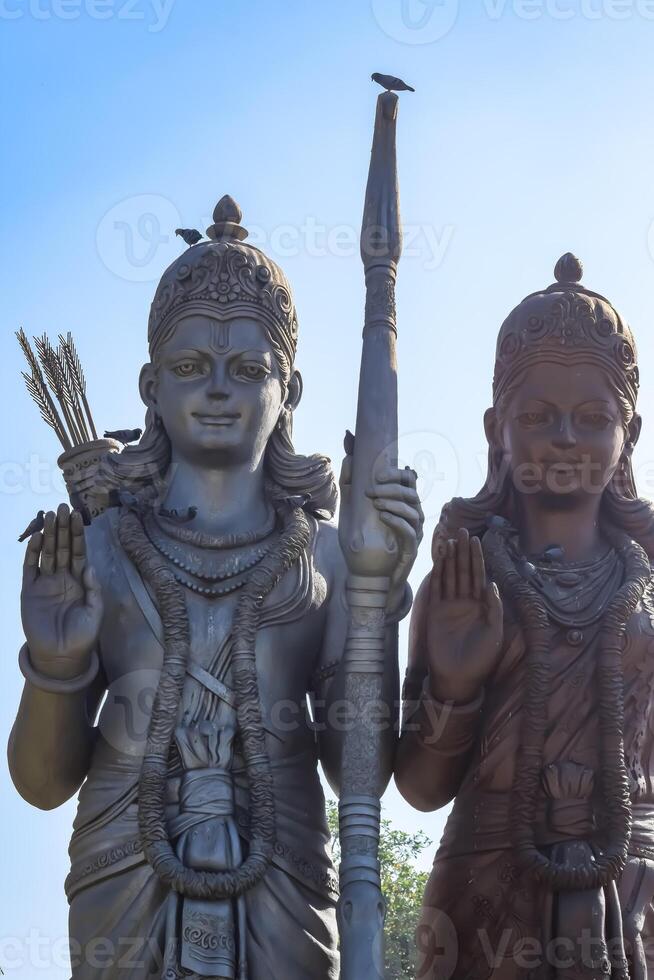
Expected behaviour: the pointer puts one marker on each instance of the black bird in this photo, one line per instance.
(123, 498)
(553, 552)
(298, 499)
(528, 569)
(498, 523)
(36, 525)
(125, 435)
(174, 514)
(391, 83)
(79, 505)
(190, 235)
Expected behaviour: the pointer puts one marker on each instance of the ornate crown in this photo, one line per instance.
(224, 274)
(564, 319)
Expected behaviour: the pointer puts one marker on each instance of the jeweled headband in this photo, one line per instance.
(562, 321)
(227, 276)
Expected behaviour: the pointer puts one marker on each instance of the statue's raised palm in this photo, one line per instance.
(464, 622)
(60, 600)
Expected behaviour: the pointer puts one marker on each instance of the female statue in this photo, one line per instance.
(207, 606)
(529, 687)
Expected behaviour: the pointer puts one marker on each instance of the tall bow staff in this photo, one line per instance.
(370, 554)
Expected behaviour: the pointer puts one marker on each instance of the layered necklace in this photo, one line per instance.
(208, 564)
(575, 594)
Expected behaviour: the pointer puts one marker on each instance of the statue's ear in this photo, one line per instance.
(634, 429)
(294, 391)
(148, 386)
(492, 428)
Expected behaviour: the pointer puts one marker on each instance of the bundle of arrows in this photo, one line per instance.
(57, 384)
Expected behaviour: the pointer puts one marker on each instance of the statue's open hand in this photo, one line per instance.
(395, 496)
(61, 604)
(464, 621)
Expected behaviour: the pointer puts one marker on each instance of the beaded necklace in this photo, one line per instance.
(155, 838)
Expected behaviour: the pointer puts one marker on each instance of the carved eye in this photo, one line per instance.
(595, 420)
(185, 370)
(253, 372)
(532, 418)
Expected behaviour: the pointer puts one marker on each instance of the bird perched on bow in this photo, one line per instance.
(190, 235)
(391, 83)
(125, 435)
(35, 525)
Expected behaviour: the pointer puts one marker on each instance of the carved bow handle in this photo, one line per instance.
(370, 554)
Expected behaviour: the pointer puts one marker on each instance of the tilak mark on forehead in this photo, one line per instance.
(220, 340)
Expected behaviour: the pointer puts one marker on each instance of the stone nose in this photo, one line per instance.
(564, 437)
(218, 382)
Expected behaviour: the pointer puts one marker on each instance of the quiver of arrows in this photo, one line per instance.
(57, 384)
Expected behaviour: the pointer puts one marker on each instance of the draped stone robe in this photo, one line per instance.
(120, 914)
(481, 918)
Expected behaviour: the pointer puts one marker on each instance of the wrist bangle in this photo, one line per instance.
(52, 684)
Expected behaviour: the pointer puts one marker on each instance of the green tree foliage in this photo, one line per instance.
(403, 886)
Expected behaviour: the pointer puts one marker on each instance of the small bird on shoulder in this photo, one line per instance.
(124, 435)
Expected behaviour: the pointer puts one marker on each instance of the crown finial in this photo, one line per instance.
(227, 217)
(568, 269)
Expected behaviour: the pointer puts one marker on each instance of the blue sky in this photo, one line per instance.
(529, 135)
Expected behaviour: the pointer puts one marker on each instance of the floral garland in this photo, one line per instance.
(157, 846)
(610, 863)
